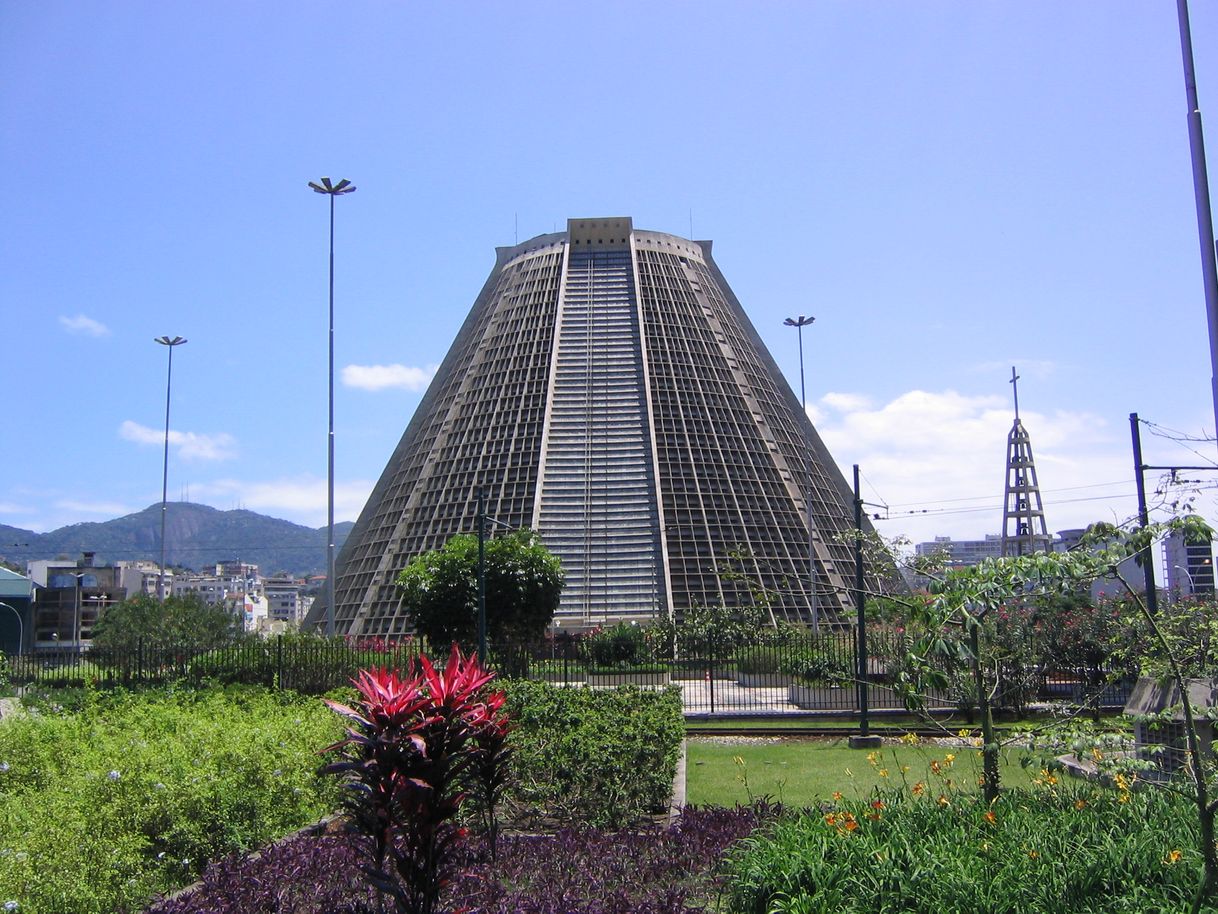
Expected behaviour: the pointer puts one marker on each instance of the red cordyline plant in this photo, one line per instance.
(414, 744)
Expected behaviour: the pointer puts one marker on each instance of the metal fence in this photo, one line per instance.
(801, 675)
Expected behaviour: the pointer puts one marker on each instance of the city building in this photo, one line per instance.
(16, 612)
(1189, 566)
(608, 391)
(69, 599)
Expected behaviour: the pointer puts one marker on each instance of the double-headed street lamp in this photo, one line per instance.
(799, 323)
(170, 343)
(331, 190)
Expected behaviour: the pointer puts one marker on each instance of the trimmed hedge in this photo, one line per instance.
(592, 756)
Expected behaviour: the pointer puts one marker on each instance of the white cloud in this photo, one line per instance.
(386, 377)
(84, 326)
(843, 403)
(938, 459)
(189, 445)
(300, 499)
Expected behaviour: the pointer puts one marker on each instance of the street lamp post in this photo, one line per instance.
(483, 520)
(170, 343)
(799, 323)
(331, 190)
(1192, 585)
(20, 627)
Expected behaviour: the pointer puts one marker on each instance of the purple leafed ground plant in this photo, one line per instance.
(645, 871)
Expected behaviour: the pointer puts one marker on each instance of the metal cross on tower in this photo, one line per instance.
(1023, 515)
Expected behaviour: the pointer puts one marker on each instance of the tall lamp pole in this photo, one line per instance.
(170, 343)
(799, 323)
(331, 190)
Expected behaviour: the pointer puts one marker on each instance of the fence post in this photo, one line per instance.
(710, 671)
(278, 683)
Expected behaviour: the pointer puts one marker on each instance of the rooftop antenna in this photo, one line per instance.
(1023, 513)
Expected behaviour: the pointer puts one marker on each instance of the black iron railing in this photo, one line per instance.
(797, 674)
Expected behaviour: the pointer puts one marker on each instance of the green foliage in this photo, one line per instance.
(137, 792)
(524, 582)
(624, 646)
(819, 664)
(305, 662)
(181, 621)
(1051, 850)
(5, 672)
(592, 756)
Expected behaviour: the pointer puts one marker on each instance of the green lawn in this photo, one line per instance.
(803, 772)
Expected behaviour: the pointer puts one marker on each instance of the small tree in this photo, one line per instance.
(183, 622)
(524, 582)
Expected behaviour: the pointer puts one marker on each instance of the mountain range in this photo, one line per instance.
(196, 537)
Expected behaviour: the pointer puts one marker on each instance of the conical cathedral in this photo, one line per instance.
(608, 391)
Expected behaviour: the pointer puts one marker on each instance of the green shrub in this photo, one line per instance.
(137, 792)
(306, 663)
(622, 647)
(1060, 851)
(759, 660)
(817, 666)
(601, 757)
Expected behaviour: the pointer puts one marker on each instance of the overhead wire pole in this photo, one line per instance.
(1201, 194)
(331, 190)
(799, 323)
(1148, 570)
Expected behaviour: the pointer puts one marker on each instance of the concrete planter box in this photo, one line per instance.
(763, 680)
(626, 677)
(820, 697)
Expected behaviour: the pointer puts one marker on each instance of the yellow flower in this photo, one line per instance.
(1122, 782)
(738, 760)
(943, 800)
(1033, 854)
(1124, 797)
(990, 817)
(949, 758)
(963, 733)
(904, 769)
(935, 766)
(883, 772)
(1049, 777)
(1173, 857)
(872, 758)
(1079, 804)
(830, 819)
(918, 788)
(837, 795)
(910, 739)
(1097, 755)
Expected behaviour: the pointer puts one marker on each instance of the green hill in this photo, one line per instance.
(196, 536)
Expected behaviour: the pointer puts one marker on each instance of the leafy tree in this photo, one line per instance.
(524, 582)
(1177, 646)
(181, 621)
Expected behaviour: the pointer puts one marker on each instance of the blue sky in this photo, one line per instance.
(950, 188)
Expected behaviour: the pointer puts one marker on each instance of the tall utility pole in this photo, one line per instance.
(1201, 194)
(170, 343)
(331, 190)
(799, 323)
